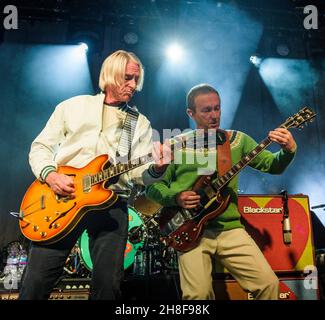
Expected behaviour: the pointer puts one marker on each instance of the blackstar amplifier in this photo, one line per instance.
(263, 215)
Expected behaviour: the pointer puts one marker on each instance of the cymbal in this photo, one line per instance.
(146, 206)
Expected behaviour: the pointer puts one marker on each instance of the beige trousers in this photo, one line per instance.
(239, 254)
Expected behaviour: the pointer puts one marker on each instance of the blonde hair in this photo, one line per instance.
(112, 72)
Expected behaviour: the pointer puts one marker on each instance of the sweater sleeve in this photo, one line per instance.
(160, 192)
(266, 161)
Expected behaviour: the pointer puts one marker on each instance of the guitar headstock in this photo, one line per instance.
(298, 120)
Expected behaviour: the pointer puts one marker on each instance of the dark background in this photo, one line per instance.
(40, 66)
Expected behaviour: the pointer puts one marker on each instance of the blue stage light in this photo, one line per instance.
(175, 52)
(255, 60)
(83, 46)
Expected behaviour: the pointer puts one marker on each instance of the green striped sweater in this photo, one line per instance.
(182, 174)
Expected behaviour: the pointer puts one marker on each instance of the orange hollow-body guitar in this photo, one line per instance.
(46, 217)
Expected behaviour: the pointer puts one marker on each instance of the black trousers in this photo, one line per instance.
(107, 230)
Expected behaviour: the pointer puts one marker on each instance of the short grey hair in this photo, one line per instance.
(197, 90)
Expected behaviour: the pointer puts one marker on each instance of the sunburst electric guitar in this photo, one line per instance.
(182, 228)
(46, 217)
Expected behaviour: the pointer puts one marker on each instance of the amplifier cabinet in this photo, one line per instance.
(66, 289)
(55, 295)
(290, 289)
(262, 216)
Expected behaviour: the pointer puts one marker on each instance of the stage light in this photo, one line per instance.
(80, 50)
(83, 46)
(175, 52)
(131, 38)
(282, 49)
(255, 60)
(90, 35)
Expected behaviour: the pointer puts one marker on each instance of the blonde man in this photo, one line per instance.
(80, 129)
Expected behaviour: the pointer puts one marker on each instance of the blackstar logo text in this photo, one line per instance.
(262, 210)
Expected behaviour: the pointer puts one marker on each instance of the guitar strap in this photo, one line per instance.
(224, 163)
(127, 135)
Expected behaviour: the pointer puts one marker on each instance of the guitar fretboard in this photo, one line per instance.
(113, 171)
(223, 180)
(120, 168)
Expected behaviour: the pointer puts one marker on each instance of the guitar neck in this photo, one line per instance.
(176, 143)
(302, 117)
(120, 168)
(235, 169)
(296, 121)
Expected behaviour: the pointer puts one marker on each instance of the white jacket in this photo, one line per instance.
(74, 136)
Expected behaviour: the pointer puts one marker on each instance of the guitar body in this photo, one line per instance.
(182, 229)
(46, 217)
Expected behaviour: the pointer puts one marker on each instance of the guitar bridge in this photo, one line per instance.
(178, 220)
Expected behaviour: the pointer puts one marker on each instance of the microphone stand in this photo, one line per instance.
(319, 206)
(286, 228)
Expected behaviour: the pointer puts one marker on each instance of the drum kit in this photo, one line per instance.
(144, 253)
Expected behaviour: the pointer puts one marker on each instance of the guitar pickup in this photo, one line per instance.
(60, 198)
(86, 183)
(42, 202)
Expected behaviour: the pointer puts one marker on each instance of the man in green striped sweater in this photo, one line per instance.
(224, 237)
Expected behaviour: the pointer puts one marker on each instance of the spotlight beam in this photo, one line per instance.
(175, 52)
